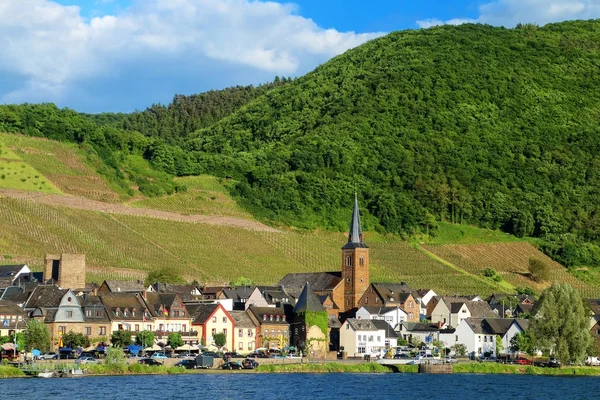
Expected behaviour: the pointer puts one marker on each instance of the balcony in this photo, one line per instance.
(161, 334)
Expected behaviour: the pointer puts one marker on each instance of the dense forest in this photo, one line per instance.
(471, 124)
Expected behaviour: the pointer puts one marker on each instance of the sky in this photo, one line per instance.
(125, 55)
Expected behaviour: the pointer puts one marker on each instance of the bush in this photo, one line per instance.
(538, 270)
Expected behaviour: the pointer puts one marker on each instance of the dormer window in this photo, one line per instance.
(391, 299)
(271, 317)
(283, 318)
(117, 312)
(277, 318)
(264, 317)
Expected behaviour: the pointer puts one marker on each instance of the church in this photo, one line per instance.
(339, 291)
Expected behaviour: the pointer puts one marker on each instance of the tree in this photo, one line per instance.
(522, 343)
(36, 336)
(539, 270)
(174, 340)
(115, 358)
(144, 338)
(561, 324)
(460, 349)
(241, 281)
(163, 275)
(121, 338)
(75, 340)
(220, 340)
(499, 345)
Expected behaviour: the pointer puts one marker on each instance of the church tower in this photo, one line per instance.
(355, 263)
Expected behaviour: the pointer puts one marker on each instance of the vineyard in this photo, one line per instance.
(205, 195)
(61, 163)
(17, 174)
(128, 247)
(511, 261)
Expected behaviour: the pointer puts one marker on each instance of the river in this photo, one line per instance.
(304, 386)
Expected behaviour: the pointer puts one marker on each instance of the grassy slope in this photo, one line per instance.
(64, 164)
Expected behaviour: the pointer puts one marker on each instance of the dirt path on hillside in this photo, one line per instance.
(93, 205)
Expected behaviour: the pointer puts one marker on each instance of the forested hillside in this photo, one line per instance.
(488, 126)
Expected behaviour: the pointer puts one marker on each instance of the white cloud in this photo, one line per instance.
(511, 12)
(53, 47)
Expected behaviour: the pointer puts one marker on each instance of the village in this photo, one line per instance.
(322, 316)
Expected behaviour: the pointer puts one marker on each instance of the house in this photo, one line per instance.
(451, 310)
(390, 335)
(594, 305)
(210, 319)
(272, 326)
(59, 309)
(9, 274)
(479, 334)
(244, 337)
(12, 318)
(212, 292)
(360, 337)
(241, 295)
(121, 287)
(347, 286)
(392, 315)
(419, 332)
(125, 311)
(330, 306)
(392, 295)
(170, 315)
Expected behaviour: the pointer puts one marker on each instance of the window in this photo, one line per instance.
(277, 318)
(361, 350)
(348, 261)
(271, 317)
(184, 328)
(379, 338)
(251, 346)
(266, 332)
(410, 304)
(137, 327)
(62, 329)
(376, 299)
(214, 319)
(117, 313)
(370, 338)
(367, 300)
(362, 261)
(224, 320)
(102, 331)
(479, 337)
(225, 332)
(241, 346)
(456, 338)
(283, 318)
(98, 313)
(347, 327)
(88, 331)
(347, 302)
(264, 317)
(148, 327)
(240, 333)
(214, 331)
(250, 333)
(69, 314)
(88, 313)
(464, 311)
(278, 332)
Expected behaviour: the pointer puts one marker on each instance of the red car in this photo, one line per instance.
(522, 361)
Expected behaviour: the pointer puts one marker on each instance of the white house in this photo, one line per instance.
(361, 337)
(479, 334)
(392, 315)
(451, 311)
(424, 296)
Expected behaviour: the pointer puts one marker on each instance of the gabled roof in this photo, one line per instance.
(242, 320)
(319, 281)
(393, 292)
(124, 286)
(47, 296)
(594, 305)
(308, 302)
(362, 324)
(9, 271)
(201, 312)
(114, 301)
(333, 322)
(156, 301)
(10, 308)
(374, 310)
(239, 293)
(389, 331)
(94, 303)
(185, 292)
(494, 326)
(420, 326)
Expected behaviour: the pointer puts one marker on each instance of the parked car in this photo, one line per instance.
(450, 360)
(187, 363)
(592, 361)
(402, 356)
(553, 363)
(231, 354)
(159, 356)
(522, 361)
(249, 363)
(258, 355)
(49, 356)
(231, 365)
(149, 361)
(488, 359)
(86, 360)
(67, 356)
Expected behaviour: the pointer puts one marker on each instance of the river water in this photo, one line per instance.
(304, 386)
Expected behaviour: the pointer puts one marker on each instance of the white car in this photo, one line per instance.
(86, 360)
(592, 361)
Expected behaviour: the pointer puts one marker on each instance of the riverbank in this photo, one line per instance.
(495, 368)
(327, 367)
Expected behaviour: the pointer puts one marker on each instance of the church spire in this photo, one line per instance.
(355, 235)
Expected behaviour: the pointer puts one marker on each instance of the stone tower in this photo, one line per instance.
(355, 263)
(65, 270)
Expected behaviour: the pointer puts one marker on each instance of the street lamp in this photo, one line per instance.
(15, 340)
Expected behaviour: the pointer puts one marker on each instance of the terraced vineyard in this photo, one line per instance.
(511, 260)
(128, 247)
(62, 164)
(206, 195)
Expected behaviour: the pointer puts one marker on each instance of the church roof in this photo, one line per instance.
(319, 281)
(355, 238)
(308, 301)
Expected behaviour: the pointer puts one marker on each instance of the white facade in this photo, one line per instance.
(361, 338)
(476, 343)
(392, 317)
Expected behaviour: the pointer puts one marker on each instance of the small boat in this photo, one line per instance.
(46, 374)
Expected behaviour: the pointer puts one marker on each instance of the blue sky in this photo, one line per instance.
(122, 55)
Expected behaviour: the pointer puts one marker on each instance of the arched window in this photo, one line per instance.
(348, 261)
(361, 261)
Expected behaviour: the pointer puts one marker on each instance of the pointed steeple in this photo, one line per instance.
(355, 235)
(308, 302)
